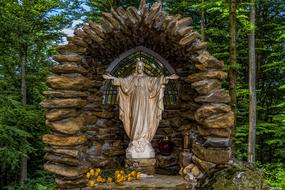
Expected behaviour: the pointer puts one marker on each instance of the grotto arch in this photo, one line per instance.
(140, 49)
(84, 132)
(155, 66)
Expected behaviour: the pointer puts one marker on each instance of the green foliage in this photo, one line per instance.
(42, 181)
(274, 173)
(28, 27)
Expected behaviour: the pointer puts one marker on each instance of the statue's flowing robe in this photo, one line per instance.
(140, 100)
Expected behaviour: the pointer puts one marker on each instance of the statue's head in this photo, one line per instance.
(140, 67)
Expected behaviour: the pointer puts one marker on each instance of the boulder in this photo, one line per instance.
(235, 177)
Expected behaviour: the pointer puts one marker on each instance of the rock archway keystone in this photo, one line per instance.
(78, 121)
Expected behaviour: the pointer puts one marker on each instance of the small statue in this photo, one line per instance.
(140, 100)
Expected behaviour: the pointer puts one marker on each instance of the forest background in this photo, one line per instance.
(31, 29)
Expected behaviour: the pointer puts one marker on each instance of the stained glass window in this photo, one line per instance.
(153, 67)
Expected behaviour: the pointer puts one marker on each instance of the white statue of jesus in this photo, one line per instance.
(140, 100)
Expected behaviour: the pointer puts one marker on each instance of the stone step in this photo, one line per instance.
(161, 182)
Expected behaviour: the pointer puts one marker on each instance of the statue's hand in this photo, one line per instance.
(108, 77)
(172, 77)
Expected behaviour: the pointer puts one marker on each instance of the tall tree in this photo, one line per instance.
(233, 57)
(203, 20)
(252, 86)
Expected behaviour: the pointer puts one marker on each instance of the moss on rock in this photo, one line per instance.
(235, 177)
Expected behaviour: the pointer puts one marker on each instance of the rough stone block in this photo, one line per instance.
(64, 103)
(208, 110)
(64, 141)
(65, 94)
(217, 156)
(215, 74)
(63, 170)
(69, 82)
(204, 165)
(206, 86)
(68, 68)
(185, 158)
(67, 58)
(222, 132)
(67, 126)
(217, 142)
(220, 121)
(58, 114)
(216, 96)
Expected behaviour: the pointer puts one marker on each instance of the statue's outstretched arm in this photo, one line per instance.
(172, 77)
(109, 77)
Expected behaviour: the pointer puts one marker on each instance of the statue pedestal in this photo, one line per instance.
(144, 165)
(140, 149)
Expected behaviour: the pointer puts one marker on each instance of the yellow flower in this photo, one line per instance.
(99, 179)
(130, 179)
(91, 183)
(134, 173)
(88, 175)
(122, 172)
(91, 172)
(110, 180)
(98, 170)
(96, 174)
(117, 172)
(138, 176)
(119, 182)
(119, 175)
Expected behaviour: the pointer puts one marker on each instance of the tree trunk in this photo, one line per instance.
(233, 61)
(23, 60)
(252, 88)
(203, 21)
